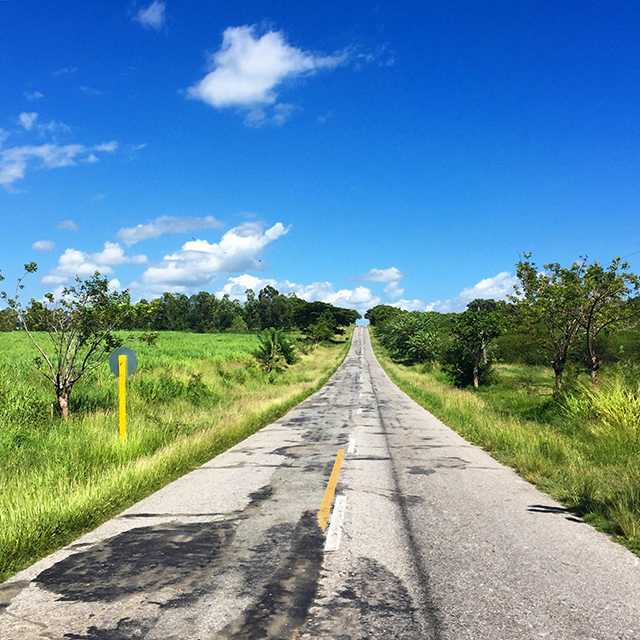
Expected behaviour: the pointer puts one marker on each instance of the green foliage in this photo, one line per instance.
(275, 351)
(468, 359)
(411, 337)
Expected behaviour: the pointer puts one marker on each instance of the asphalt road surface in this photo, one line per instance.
(429, 538)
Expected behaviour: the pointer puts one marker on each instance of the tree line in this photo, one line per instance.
(581, 315)
(81, 324)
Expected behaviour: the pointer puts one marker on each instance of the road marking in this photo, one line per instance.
(352, 444)
(325, 506)
(359, 410)
(335, 527)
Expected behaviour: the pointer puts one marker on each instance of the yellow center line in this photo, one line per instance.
(325, 507)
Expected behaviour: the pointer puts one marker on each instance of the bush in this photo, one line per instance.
(275, 351)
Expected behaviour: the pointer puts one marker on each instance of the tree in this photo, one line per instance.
(322, 330)
(275, 351)
(468, 359)
(546, 303)
(604, 303)
(79, 326)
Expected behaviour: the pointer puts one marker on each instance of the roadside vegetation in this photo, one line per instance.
(548, 383)
(63, 469)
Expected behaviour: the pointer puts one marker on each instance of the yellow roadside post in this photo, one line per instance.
(122, 375)
(123, 362)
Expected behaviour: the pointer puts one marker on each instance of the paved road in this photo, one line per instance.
(429, 538)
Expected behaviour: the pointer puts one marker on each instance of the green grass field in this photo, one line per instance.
(583, 447)
(192, 397)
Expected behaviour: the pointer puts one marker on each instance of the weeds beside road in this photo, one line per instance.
(582, 447)
(192, 397)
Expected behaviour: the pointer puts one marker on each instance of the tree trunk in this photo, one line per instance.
(63, 403)
(593, 372)
(558, 380)
(475, 375)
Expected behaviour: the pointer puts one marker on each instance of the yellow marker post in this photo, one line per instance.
(325, 506)
(122, 376)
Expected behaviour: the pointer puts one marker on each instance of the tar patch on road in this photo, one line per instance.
(286, 598)
(144, 559)
(373, 603)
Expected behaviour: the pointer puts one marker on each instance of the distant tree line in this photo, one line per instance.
(580, 316)
(205, 313)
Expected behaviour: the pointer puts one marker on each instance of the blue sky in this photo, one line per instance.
(395, 152)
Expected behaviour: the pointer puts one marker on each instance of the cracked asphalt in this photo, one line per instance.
(434, 540)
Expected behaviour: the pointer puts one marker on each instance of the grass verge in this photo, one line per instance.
(193, 397)
(581, 448)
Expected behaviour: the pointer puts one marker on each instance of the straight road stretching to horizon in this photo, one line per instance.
(429, 538)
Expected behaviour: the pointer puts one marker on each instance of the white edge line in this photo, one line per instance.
(352, 444)
(335, 526)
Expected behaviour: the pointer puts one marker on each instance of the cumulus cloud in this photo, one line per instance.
(498, 288)
(199, 263)
(32, 96)
(69, 225)
(152, 16)
(74, 263)
(43, 245)
(361, 298)
(27, 120)
(247, 68)
(165, 224)
(391, 277)
(14, 161)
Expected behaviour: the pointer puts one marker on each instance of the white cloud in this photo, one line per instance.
(74, 263)
(32, 96)
(43, 245)
(247, 69)
(383, 275)
(391, 276)
(90, 91)
(152, 16)
(106, 146)
(360, 298)
(199, 263)
(165, 224)
(27, 120)
(15, 160)
(64, 71)
(69, 225)
(91, 159)
(497, 288)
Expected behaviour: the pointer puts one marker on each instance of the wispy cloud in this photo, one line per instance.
(90, 91)
(64, 71)
(166, 224)
(152, 16)
(15, 161)
(69, 225)
(32, 96)
(43, 245)
(27, 120)
(199, 263)
(248, 68)
(74, 263)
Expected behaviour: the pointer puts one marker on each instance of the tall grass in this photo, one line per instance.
(192, 397)
(581, 447)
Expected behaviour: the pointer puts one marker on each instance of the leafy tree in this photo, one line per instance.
(603, 304)
(546, 303)
(251, 310)
(468, 359)
(275, 351)
(79, 326)
(409, 336)
(324, 329)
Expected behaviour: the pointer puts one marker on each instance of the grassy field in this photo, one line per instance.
(583, 447)
(192, 397)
